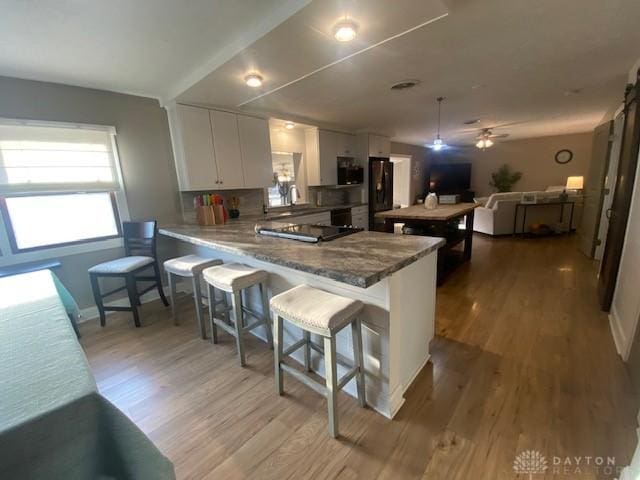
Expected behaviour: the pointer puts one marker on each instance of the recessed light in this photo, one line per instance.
(289, 125)
(403, 85)
(253, 80)
(345, 30)
(472, 121)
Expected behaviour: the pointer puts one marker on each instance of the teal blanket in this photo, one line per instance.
(54, 424)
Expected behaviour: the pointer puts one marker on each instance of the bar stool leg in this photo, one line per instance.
(307, 350)
(133, 298)
(225, 304)
(212, 313)
(97, 295)
(197, 297)
(266, 313)
(173, 293)
(278, 348)
(358, 360)
(332, 384)
(236, 303)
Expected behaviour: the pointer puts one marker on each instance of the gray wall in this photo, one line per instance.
(144, 147)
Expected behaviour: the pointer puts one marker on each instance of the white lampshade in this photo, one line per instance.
(575, 183)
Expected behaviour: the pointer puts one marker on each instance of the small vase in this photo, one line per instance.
(234, 213)
(431, 202)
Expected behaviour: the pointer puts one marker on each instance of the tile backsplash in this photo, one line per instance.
(252, 201)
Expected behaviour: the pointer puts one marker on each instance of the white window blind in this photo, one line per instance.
(36, 157)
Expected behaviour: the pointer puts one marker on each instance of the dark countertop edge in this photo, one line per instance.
(354, 280)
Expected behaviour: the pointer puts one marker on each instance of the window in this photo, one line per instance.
(37, 221)
(59, 184)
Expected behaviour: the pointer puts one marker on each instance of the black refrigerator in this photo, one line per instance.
(380, 189)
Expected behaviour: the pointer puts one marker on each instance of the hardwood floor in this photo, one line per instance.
(522, 360)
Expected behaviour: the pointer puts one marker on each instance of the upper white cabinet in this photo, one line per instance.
(255, 145)
(379, 146)
(216, 150)
(226, 145)
(323, 149)
(191, 133)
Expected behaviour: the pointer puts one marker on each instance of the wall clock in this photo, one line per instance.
(564, 156)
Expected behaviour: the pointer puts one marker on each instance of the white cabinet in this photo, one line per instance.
(323, 149)
(193, 148)
(226, 145)
(379, 146)
(216, 150)
(360, 216)
(255, 146)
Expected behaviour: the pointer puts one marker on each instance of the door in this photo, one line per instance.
(621, 200)
(594, 189)
(255, 146)
(609, 185)
(226, 145)
(198, 164)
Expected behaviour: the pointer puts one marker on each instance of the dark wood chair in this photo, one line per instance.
(140, 248)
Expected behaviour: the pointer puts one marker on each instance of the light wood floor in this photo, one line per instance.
(522, 360)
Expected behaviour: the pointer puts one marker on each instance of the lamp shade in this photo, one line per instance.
(575, 183)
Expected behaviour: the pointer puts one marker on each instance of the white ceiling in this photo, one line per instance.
(513, 63)
(150, 47)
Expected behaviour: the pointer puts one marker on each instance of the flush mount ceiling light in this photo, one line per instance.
(289, 125)
(253, 80)
(345, 30)
(438, 144)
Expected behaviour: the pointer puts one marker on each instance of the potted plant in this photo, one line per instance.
(504, 178)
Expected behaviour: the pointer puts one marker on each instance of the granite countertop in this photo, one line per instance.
(418, 212)
(361, 259)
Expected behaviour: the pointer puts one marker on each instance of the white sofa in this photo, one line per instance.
(495, 216)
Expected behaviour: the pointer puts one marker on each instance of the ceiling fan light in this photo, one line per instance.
(480, 143)
(253, 80)
(488, 142)
(345, 30)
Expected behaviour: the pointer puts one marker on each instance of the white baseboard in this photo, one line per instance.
(619, 337)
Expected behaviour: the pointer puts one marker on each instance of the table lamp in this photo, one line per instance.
(575, 183)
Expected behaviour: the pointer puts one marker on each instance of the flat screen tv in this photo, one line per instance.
(450, 177)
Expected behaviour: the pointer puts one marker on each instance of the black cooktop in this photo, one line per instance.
(309, 233)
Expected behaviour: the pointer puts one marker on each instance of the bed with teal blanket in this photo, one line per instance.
(54, 424)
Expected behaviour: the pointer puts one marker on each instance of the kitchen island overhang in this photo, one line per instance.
(394, 276)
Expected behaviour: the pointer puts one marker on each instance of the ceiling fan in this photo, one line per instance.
(485, 138)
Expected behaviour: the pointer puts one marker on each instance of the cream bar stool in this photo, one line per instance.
(189, 266)
(235, 278)
(325, 314)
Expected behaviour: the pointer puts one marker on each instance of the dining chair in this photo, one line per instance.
(140, 249)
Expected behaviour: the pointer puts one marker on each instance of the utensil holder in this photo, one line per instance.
(210, 215)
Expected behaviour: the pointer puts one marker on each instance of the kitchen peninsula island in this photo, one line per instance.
(393, 275)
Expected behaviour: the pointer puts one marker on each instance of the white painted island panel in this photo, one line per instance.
(398, 322)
